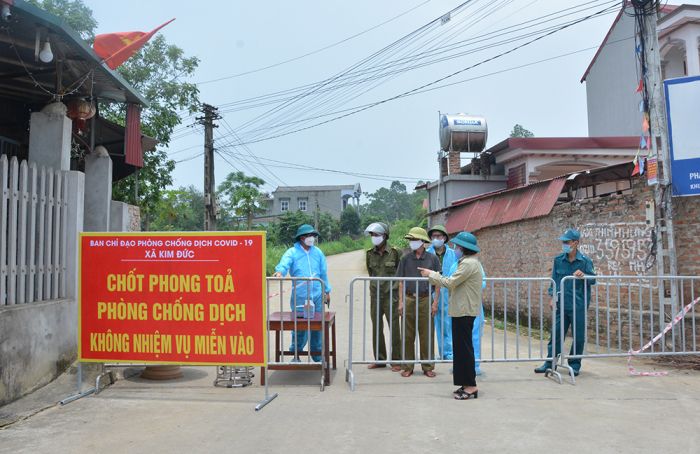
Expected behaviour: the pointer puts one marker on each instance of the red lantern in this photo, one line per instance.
(80, 109)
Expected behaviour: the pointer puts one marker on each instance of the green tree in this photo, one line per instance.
(241, 195)
(349, 221)
(159, 71)
(328, 227)
(393, 203)
(156, 71)
(287, 225)
(179, 209)
(519, 131)
(76, 14)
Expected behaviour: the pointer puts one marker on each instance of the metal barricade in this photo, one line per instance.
(294, 305)
(627, 316)
(520, 317)
(518, 310)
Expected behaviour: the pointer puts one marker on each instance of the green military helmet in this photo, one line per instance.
(438, 228)
(305, 229)
(417, 233)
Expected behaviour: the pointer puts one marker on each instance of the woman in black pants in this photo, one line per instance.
(465, 287)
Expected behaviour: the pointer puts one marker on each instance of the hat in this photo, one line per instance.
(570, 235)
(417, 233)
(466, 240)
(377, 227)
(305, 229)
(437, 228)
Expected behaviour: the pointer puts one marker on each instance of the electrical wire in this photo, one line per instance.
(434, 82)
(337, 43)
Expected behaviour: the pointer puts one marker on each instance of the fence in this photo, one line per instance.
(519, 320)
(303, 312)
(33, 225)
(626, 316)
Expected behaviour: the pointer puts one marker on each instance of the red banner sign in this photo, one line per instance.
(173, 298)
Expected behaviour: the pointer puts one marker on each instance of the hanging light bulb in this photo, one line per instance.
(6, 12)
(46, 55)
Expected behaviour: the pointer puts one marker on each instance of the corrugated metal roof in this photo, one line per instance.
(505, 207)
(458, 218)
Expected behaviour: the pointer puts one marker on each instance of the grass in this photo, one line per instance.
(345, 244)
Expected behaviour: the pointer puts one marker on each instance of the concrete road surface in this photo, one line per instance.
(517, 411)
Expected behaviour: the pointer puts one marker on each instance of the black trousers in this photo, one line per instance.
(463, 349)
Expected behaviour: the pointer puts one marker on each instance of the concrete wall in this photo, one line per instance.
(456, 187)
(328, 202)
(613, 104)
(37, 343)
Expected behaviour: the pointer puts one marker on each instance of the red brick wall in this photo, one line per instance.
(615, 236)
(613, 230)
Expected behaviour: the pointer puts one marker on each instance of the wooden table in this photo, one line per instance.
(284, 321)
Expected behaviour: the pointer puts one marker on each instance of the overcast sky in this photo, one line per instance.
(395, 138)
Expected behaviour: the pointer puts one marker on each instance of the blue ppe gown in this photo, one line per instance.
(443, 322)
(299, 262)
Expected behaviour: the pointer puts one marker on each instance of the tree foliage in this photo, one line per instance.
(158, 71)
(76, 14)
(393, 203)
(240, 194)
(283, 230)
(349, 221)
(179, 209)
(520, 131)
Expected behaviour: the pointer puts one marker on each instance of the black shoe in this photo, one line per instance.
(543, 368)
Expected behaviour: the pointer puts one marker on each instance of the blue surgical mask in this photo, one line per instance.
(566, 248)
(458, 252)
(438, 243)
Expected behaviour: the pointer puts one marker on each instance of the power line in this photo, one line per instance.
(337, 43)
(434, 82)
(296, 166)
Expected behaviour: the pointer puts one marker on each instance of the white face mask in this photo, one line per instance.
(309, 241)
(458, 253)
(377, 240)
(438, 243)
(415, 244)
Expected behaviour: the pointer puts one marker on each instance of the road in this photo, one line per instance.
(517, 411)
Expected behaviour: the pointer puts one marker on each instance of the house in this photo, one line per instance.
(58, 159)
(613, 104)
(517, 162)
(312, 199)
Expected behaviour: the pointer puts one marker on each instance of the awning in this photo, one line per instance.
(505, 207)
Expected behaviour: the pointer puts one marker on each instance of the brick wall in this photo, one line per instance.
(615, 236)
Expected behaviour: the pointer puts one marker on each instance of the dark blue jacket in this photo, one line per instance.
(561, 268)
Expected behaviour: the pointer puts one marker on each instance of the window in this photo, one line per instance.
(302, 204)
(284, 205)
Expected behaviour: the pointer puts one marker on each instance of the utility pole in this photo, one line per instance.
(666, 261)
(210, 115)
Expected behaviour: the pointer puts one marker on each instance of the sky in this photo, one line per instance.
(393, 139)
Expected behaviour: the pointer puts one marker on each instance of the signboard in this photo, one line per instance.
(683, 111)
(652, 170)
(173, 298)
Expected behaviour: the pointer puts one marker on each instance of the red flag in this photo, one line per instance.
(116, 48)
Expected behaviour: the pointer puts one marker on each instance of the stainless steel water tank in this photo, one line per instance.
(461, 132)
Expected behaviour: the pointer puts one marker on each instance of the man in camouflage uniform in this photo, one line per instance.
(381, 261)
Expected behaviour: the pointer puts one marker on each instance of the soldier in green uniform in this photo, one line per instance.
(382, 261)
